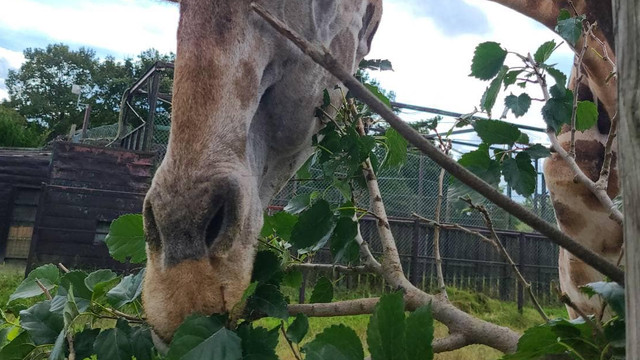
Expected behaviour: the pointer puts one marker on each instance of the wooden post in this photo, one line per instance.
(521, 245)
(415, 249)
(303, 288)
(86, 121)
(152, 100)
(627, 27)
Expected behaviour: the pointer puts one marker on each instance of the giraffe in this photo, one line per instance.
(578, 212)
(243, 117)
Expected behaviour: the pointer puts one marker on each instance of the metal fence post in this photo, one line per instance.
(152, 99)
(521, 255)
(414, 252)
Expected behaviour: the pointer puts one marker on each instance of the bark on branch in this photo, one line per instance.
(326, 60)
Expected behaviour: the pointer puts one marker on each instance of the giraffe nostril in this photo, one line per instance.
(215, 226)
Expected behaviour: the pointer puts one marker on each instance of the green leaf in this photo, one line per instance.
(83, 343)
(480, 163)
(397, 145)
(519, 105)
(141, 343)
(376, 91)
(223, 345)
(114, 344)
(488, 59)
(70, 311)
(419, 334)
(322, 292)
(557, 111)
(81, 294)
(491, 93)
(544, 51)
(611, 292)
(126, 239)
(558, 76)
(269, 300)
(192, 332)
(49, 276)
(563, 15)
(266, 267)
(337, 342)
(497, 132)
(127, 291)
(314, 226)
(99, 276)
(520, 174)
(42, 324)
(18, 348)
(298, 328)
(511, 77)
(344, 247)
(538, 151)
(292, 278)
(59, 348)
(343, 187)
(326, 98)
(258, 343)
(586, 115)
(570, 29)
(280, 223)
(523, 139)
(298, 203)
(304, 172)
(386, 330)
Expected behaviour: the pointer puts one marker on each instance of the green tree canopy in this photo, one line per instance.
(15, 131)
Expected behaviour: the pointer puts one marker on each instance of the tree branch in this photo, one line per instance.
(339, 308)
(326, 60)
(330, 267)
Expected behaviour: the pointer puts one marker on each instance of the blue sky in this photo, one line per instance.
(430, 42)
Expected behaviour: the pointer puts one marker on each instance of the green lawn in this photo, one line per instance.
(501, 313)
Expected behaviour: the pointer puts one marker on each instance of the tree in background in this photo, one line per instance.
(41, 89)
(15, 131)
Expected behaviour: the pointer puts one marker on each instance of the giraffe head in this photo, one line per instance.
(243, 117)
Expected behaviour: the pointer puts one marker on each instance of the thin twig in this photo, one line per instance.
(603, 179)
(565, 299)
(44, 289)
(330, 267)
(63, 268)
(293, 350)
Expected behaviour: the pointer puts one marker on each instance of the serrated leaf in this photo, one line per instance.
(192, 332)
(497, 132)
(419, 334)
(314, 226)
(18, 348)
(59, 348)
(386, 330)
(99, 276)
(269, 300)
(298, 328)
(488, 59)
(82, 295)
(397, 149)
(48, 275)
(127, 291)
(42, 324)
(491, 93)
(557, 111)
(298, 203)
(376, 91)
(570, 29)
(322, 292)
(538, 151)
(83, 343)
(480, 163)
(523, 139)
(586, 115)
(544, 51)
(70, 310)
(343, 245)
(558, 76)
(292, 278)
(114, 344)
(520, 174)
(125, 239)
(280, 224)
(511, 77)
(337, 342)
(258, 343)
(343, 187)
(266, 268)
(141, 343)
(611, 292)
(223, 345)
(519, 105)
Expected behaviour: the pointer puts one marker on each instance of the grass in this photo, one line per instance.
(479, 305)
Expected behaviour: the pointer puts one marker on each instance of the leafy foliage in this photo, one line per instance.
(126, 239)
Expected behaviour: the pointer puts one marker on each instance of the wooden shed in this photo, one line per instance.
(68, 197)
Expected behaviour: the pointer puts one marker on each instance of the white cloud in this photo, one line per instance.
(8, 60)
(123, 27)
(432, 69)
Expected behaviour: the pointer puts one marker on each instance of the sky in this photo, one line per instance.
(429, 42)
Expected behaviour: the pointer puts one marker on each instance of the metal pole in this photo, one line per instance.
(86, 121)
